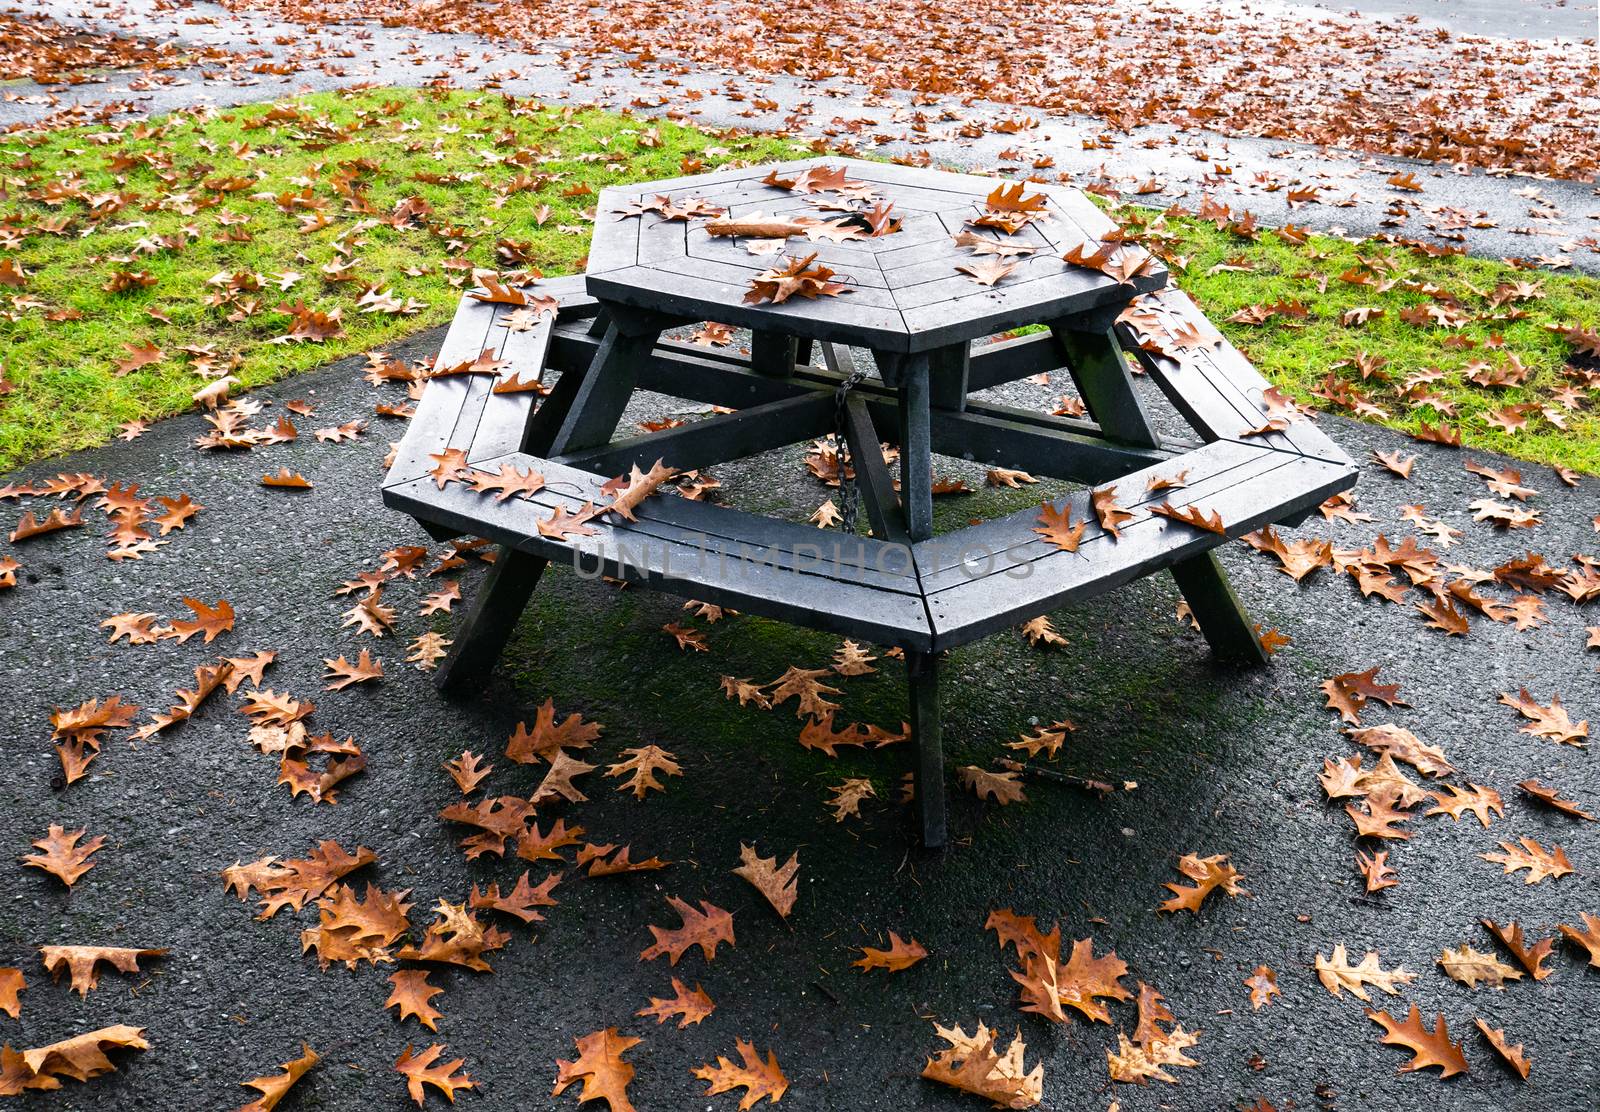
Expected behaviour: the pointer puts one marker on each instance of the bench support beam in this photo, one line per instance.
(922, 674)
(1100, 369)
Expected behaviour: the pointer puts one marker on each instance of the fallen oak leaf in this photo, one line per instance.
(1336, 973)
(62, 857)
(11, 983)
(1513, 1056)
(424, 1069)
(758, 1078)
(689, 1007)
(777, 883)
(81, 962)
(1588, 938)
(1470, 966)
(80, 1058)
(601, 1068)
(900, 955)
(1541, 863)
(411, 995)
(274, 1087)
(1429, 1048)
(1210, 874)
(1550, 797)
(708, 927)
(286, 480)
(1192, 515)
(973, 1064)
(342, 674)
(1110, 515)
(1531, 958)
(986, 271)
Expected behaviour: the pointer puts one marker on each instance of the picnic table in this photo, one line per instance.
(654, 267)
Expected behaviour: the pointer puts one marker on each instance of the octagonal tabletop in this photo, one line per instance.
(905, 293)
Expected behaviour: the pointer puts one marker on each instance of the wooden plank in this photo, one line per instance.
(844, 319)
(983, 437)
(838, 606)
(979, 606)
(1011, 541)
(772, 353)
(1009, 360)
(505, 417)
(490, 619)
(947, 377)
(932, 326)
(604, 391)
(431, 427)
(712, 440)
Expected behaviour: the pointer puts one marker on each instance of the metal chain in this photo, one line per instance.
(841, 448)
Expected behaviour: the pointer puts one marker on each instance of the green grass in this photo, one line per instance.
(1298, 354)
(66, 393)
(120, 189)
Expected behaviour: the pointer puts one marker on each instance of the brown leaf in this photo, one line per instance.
(1588, 938)
(342, 673)
(689, 1007)
(1336, 973)
(759, 1079)
(62, 856)
(973, 1064)
(778, 884)
(1547, 721)
(1112, 516)
(1511, 1055)
(600, 1067)
(1541, 863)
(1429, 1048)
(641, 767)
(80, 962)
(1263, 986)
(899, 956)
(547, 737)
(1000, 787)
(1192, 515)
(286, 480)
(468, 771)
(986, 271)
(274, 1087)
(1210, 874)
(80, 1058)
(1550, 797)
(707, 928)
(411, 995)
(1530, 958)
(424, 1069)
(1470, 966)
(11, 983)
(1058, 527)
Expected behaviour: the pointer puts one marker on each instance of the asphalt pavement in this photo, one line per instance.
(1212, 760)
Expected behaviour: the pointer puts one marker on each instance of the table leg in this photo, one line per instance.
(773, 353)
(922, 672)
(1098, 366)
(583, 417)
(916, 452)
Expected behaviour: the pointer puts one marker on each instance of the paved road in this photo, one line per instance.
(1530, 217)
(1225, 762)
(1529, 19)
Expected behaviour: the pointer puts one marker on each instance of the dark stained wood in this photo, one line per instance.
(715, 439)
(773, 353)
(922, 676)
(916, 446)
(874, 484)
(947, 376)
(917, 316)
(1100, 371)
(1215, 606)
